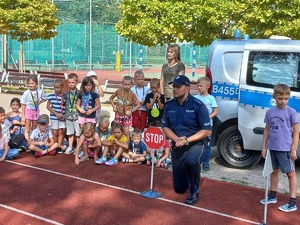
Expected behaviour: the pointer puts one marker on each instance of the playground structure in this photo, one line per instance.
(72, 44)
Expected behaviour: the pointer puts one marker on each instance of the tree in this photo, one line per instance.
(27, 20)
(202, 21)
(274, 17)
(152, 22)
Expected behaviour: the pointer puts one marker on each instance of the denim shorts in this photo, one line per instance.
(282, 160)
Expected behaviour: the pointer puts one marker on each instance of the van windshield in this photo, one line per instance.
(266, 69)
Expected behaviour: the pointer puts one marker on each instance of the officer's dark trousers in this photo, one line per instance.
(186, 166)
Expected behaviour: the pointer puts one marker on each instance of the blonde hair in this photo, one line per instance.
(206, 80)
(103, 117)
(73, 76)
(136, 132)
(176, 49)
(138, 73)
(281, 89)
(88, 127)
(154, 81)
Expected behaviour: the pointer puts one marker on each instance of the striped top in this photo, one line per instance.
(56, 104)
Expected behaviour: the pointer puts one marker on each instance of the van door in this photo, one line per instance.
(263, 70)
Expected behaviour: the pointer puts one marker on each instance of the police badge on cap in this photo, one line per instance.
(181, 80)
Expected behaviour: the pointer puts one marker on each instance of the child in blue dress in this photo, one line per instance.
(17, 138)
(88, 102)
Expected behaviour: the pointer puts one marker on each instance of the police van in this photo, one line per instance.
(243, 74)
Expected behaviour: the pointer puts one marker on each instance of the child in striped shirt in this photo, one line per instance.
(56, 107)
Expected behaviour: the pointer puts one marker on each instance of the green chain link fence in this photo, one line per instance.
(73, 43)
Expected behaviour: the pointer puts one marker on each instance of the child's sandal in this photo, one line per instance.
(84, 158)
(125, 160)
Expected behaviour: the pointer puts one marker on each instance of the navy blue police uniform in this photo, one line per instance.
(186, 120)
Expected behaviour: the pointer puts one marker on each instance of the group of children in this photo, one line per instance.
(77, 125)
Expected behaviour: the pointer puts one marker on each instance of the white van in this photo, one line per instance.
(243, 74)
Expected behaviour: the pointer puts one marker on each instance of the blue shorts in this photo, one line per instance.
(282, 160)
(39, 146)
(11, 154)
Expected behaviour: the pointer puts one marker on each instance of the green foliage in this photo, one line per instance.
(28, 19)
(152, 22)
(274, 17)
(202, 21)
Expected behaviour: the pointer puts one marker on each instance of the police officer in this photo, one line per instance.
(186, 122)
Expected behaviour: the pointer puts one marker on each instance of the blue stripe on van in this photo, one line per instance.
(264, 100)
(294, 103)
(255, 98)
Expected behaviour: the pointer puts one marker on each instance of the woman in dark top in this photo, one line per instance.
(172, 68)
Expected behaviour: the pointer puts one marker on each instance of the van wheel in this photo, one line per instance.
(231, 150)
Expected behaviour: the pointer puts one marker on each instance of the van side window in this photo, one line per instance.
(232, 65)
(265, 69)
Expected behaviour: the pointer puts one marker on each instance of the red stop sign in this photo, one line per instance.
(154, 138)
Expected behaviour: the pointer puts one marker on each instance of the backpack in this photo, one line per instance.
(17, 141)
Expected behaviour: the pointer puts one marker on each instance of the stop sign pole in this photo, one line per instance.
(154, 138)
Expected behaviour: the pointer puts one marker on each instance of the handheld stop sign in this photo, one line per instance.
(154, 138)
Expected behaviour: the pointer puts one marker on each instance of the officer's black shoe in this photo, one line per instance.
(192, 199)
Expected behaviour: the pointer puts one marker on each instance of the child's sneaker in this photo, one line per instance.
(112, 162)
(169, 166)
(58, 150)
(22, 149)
(163, 165)
(269, 201)
(52, 152)
(205, 166)
(101, 161)
(287, 208)
(125, 160)
(84, 158)
(38, 154)
(81, 154)
(69, 150)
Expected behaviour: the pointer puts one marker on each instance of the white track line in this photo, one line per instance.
(31, 215)
(134, 192)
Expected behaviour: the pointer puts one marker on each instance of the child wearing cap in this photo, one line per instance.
(41, 140)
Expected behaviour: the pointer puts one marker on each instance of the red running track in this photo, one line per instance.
(53, 190)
